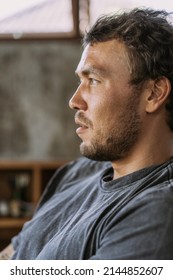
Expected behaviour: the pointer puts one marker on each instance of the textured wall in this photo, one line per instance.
(36, 82)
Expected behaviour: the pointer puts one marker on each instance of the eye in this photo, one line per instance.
(93, 82)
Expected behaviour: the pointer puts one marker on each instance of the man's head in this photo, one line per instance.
(148, 37)
(125, 56)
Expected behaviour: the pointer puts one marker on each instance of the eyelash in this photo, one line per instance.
(93, 81)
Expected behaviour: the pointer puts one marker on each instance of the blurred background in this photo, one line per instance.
(40, 46)
(39, 51)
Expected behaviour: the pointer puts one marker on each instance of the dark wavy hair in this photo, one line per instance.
(148, 37)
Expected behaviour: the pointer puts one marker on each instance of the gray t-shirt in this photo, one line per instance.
(84, 214)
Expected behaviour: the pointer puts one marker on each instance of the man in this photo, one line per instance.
(94, 209)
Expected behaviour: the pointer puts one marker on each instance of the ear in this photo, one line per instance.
(158, 94)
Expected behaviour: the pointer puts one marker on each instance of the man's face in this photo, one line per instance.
(107, 106)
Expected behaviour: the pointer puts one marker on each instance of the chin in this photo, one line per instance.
(90, 152)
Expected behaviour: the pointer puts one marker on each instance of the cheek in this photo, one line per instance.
(103, 116)
(105, 105)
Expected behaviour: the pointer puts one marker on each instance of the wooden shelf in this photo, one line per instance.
(12, 222)
(39, 173)
(7, 164)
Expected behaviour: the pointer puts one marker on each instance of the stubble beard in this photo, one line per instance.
(121, 139)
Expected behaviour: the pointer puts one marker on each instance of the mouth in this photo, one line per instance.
(84, 124)
(81, 127)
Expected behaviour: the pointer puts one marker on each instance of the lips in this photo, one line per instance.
(83, 122)
(82, 126)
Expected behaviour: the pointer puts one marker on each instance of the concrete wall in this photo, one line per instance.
(36, 82)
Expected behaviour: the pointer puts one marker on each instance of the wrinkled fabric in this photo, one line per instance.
(84, 214)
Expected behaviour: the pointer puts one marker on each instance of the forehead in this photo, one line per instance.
(103, 58)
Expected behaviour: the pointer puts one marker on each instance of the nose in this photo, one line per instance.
(77, 102)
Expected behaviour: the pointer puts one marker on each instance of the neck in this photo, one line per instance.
(144, 155)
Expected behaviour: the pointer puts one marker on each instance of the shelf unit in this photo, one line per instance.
(39, 173)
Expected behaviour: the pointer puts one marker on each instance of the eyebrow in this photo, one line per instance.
(86, 71)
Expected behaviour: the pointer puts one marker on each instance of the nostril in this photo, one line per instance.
(77, 102)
